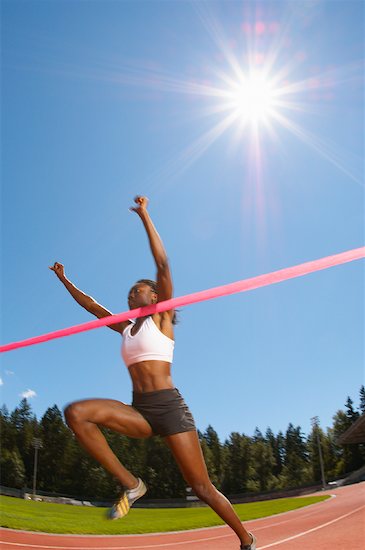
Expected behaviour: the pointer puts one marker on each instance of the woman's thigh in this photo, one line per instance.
(109, 413)
(188, 454)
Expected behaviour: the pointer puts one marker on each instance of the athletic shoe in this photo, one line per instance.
(251, 546)
(122, 506)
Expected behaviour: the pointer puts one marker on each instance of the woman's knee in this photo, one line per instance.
(74, 413)
(204, 490)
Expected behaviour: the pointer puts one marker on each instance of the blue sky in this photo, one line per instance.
(105, 100)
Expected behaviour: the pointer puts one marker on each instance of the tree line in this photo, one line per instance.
(240, 464)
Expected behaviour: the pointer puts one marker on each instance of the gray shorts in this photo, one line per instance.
(165, 411)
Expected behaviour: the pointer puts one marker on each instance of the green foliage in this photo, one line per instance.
(7, 430)
(213, 444)
(162, 475)
(327, 443)
(349, 457)
(237, 464)
(263, 465)
(242, 464)
(296, 468)
(24, 423)
(12, 469)
(53, 456)
(278, 451)
(209, 461)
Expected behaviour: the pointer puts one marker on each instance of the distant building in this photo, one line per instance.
(355, 433)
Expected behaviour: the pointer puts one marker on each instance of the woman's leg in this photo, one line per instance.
(188, 454)
(83, 417)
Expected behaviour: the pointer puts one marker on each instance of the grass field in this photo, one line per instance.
(63, 518)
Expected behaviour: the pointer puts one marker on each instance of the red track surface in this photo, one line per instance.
(335, 524)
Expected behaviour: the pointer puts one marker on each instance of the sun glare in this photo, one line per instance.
(253, 95)
(254, 98)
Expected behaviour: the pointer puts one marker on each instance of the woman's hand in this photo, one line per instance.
(58, 269)
(141, 207)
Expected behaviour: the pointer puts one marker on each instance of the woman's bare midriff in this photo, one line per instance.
(151, 376)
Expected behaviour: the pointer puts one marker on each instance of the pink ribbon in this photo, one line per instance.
(216, 292)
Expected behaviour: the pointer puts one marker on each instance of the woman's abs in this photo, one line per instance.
(151, 376)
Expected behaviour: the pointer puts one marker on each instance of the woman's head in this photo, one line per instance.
(144, 293)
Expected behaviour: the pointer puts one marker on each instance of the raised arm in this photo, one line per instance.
(87, 302)
(164, 280)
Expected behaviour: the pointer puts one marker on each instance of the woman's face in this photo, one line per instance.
(141, 295)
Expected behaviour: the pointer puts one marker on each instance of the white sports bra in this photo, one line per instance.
(148, 344)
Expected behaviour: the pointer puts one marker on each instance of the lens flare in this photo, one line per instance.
(252, 91)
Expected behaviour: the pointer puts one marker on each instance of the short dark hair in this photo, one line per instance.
(153, 286)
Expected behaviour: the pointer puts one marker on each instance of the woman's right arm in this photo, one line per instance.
(87, 302)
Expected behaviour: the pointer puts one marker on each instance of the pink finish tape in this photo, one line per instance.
(239, 286)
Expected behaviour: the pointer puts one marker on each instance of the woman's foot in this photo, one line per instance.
(251, 546)
(122, 506)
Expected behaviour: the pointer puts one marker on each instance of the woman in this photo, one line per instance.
(157, 407)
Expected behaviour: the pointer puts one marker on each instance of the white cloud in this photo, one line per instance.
(9, 372)
(1, 382)
(28, 394)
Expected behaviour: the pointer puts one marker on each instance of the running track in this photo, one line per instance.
(335, 524)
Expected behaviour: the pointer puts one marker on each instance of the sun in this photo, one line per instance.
(253, 98)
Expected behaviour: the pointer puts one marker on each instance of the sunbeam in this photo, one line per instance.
(254, 89)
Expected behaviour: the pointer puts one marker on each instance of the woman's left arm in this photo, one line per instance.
(164, 280)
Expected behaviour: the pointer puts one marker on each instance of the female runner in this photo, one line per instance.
(157, 407)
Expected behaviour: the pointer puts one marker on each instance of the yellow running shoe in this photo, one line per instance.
(122, 506)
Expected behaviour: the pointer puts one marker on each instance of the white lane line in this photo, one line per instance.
(27, 545)
(163, 545)
(289, 520)
(311, 530)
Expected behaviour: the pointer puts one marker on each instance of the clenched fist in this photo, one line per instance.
(141, 202)
(58, 269)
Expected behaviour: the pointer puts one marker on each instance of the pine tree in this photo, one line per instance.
(213, 443)
(277, 446)
(362, 400)
(257, 436)
(12, 469)
(209, 461)
(54, 455)
(351, 414)
(26, 427)
(263, 462)
(296, 469)
(329, 454)
(7, 430)
(314, 456)
(237, 464)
